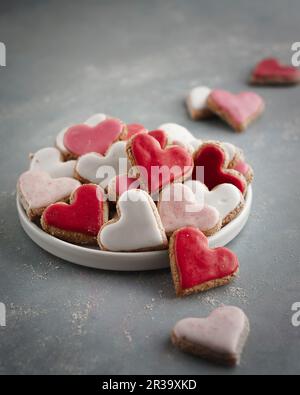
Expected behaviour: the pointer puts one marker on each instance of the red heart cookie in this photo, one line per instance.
(80, 221)
(272, 72)
(197, 268)
(239, 111)
(211, 161)
(83, 139)
(158, 167)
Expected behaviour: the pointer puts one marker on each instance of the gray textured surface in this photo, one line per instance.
(136, 60)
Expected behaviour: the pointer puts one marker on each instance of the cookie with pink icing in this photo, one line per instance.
(37, 190)
(120, 184)
(239, 111)
(225, 198)
(196, 103)
(219, 338)
(51, 161)
(92, 121)
(100, 169)
(137, 226)
(179, 207)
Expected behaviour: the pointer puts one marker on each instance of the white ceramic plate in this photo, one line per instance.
(95, 258)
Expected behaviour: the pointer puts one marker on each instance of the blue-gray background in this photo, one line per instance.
(136, 60)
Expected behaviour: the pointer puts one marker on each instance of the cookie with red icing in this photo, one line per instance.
(37, 190)
(272, 72)
(157, 167)
(80, 221)
(238, 111)
(82, 139)
(195, 267)
(211, 167)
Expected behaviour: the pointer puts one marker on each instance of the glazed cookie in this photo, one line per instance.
(196, 103)
(211, 164)
(92, 121)
(137, 227)
(225, 198)
(120, 184)
(83, 139)
(220, 338)
(272, 72)
(80, 221)
(37, 190)
(178, 207)
(158, 167)
(178, 135)
(99, 169)
(245, 169)
(239, 111)
(195, 267)
(50, 160)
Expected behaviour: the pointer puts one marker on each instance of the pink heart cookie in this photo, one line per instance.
(239, 111)
(37, 190)
(272, 72)
(120, 184)
(179, 207)
(83, 139)
(219, 338)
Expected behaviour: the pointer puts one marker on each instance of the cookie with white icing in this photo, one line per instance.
(225, 198)
(92, 121)
(99, 169)
(51, 161)
(178, 207)
(37, 190)
(196, 103)
(137, 227)
(220, 338)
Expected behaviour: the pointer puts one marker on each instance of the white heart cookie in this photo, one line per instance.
(197, 102)
(226, 198)
(221, 337)
(178, 207)
(37, 190)
(98, 169)
(50, 160)
(92, 121)
(179, 135)
(138, 227)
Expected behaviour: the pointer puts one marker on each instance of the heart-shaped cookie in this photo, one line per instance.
(219, 338)
(196, 103)
(160, 136)
(37, 190)
(197, 268)
(80, 221)
(83, 139)
(158, 167)
(120, 184)
(99, 169)
(92, 121)
(239, 111)
(225, 198)
(178, 207)
(137, 228)
(245, 169)
(272, 72)
(211, 162)
(50, 161)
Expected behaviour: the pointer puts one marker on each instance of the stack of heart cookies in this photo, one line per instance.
(128, 189)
